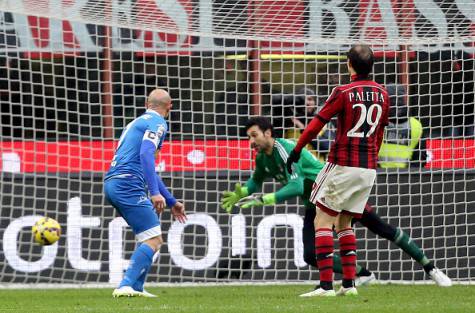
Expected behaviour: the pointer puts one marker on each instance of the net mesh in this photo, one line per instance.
(74, 73)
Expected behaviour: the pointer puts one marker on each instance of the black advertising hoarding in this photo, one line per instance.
(434, 208)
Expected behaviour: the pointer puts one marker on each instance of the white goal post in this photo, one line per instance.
(74, 73)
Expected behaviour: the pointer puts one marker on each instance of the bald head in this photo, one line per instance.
(159, 100)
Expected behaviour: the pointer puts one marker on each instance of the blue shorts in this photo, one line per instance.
(127, 195)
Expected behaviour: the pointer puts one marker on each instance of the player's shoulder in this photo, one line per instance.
(155, 121)
(287, 144)
(362, 83)
(337, 90)
(336, 93)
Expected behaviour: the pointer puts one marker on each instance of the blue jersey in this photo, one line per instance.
(149, 126)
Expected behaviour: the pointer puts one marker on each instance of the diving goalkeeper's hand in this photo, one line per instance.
(230, 198)
(266, 199)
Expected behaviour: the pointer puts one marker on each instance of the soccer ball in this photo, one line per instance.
(46, 231)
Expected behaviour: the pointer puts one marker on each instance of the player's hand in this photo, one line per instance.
(230, 198)
(259, 201)
(293, 158)
(158, 202)
(178, 212)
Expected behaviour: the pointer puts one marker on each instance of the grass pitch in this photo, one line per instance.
(283, 298)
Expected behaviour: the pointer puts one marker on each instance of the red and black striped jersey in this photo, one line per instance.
(362, 108)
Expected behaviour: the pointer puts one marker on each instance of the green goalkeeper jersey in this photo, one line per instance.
(274, 166)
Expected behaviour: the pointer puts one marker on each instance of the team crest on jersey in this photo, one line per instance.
(266, 169)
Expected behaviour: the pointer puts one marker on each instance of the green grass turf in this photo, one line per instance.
(284, 298)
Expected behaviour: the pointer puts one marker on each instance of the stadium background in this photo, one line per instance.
(70, 82)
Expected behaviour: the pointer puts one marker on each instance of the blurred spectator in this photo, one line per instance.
(290, 113)
(403, 145)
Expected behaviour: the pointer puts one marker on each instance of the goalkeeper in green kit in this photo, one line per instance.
(271, 158)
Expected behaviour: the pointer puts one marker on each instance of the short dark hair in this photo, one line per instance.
(260, 121)
(361, 59)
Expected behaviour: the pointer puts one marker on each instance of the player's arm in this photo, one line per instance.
(169, 198)
(254, 184)
(293, 188)
(332, 106)
(147, 160)
(177, 208)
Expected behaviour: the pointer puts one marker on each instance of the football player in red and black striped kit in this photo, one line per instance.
(342, 188)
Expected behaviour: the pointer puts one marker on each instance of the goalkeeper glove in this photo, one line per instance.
(231, 198)
(260, 201)
(294, 157)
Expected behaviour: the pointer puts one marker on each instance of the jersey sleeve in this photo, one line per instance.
(294, 188)
(147, 160)
(156, 132)
(332, 106)
(151, 141)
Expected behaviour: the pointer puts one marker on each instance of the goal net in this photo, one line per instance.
(73, 73)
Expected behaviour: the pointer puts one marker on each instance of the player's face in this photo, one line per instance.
(310, 101)
(259, 140)
(168, 107)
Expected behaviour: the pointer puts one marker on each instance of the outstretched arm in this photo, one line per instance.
(254, 184)
(310, 132)
(169, 198)
(294, 188)
(332, 106)
(147, 159)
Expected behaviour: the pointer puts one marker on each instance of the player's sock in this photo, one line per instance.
(428, 267)
(140, 263)
(337, 267)
(141, 280)
(347, 240)
(324, 253)
(362, 271)
(138, 285)
(403, 241)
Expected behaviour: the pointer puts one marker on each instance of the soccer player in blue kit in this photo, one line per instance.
(130, 181)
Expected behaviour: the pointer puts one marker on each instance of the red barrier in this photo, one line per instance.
(181, 156)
